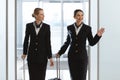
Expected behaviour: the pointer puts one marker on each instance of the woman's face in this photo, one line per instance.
(40, 16)
(79, 16)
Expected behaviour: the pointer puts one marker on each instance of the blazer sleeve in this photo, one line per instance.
(92, 40)
(65, 45)
(26, 40)
(48, 40)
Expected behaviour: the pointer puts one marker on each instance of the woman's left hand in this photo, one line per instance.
(100, 31)
(51, 62)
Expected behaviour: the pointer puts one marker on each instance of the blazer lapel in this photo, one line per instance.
(41, 28)
(73, 30)
(33, 30)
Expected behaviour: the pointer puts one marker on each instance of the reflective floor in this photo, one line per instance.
(64, 74)
(50, 74)
(22, 70)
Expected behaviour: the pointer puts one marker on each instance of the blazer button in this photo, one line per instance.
(76, 38)
(36, 43)
(36, 37)
(76, 51)
(36, 49)
(76, 44)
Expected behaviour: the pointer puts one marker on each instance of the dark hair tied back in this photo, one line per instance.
(77, 10)
(33, 15)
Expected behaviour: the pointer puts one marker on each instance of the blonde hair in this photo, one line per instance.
(36, 11)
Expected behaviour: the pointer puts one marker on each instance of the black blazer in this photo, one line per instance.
(78, 42)
(37, 47)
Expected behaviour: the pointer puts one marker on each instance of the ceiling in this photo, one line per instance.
(56, 1)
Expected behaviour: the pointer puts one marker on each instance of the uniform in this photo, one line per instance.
(77, 54)
(38, 49)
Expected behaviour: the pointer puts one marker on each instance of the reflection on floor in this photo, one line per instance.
(64, 75)
(22, 70)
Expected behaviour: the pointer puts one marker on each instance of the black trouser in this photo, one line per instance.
(37, 71)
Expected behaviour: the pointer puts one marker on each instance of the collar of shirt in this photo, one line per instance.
(77, 29)
(37, 29)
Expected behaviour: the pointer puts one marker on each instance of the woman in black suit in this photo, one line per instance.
(37, 46)
(78, 33)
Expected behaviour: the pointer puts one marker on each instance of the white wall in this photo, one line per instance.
(110, 42)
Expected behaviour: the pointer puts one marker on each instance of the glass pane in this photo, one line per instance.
(11, 40)
(3, 40)
(53, 17)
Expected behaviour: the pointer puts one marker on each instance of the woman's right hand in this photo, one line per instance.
(57, 55)
(23, 56)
